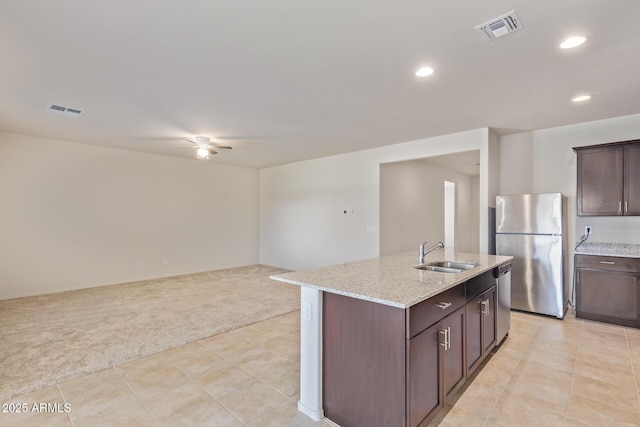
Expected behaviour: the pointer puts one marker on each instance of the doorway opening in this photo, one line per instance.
(449, 214)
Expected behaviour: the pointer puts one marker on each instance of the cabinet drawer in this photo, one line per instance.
(608, 263)
(426, 313)
(479, 284)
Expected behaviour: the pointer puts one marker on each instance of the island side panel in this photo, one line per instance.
(363, 362)
(310, 402)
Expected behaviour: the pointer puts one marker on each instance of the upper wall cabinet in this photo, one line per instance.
(609, 179)
(632, 179)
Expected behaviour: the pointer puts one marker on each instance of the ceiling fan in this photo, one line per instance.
(205, 147)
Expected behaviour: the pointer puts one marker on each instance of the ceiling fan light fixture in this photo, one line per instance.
(203, 153)
(202, 139)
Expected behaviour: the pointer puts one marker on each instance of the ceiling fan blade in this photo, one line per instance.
(224, 147)
(185, 146)
(211, 151)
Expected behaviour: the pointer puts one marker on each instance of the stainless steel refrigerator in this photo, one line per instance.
(532, 228)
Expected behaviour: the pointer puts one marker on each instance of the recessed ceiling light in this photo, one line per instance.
(572, 42)
(424, 72)
(581, 98)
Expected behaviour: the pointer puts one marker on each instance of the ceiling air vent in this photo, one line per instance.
(65, 110)
(500, 26)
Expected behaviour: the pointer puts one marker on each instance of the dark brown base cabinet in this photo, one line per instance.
(435, 360)
(481, 328)
(386, 366)
(423, 360)
(608, 289)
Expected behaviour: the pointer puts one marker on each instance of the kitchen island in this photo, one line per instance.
(384, 343)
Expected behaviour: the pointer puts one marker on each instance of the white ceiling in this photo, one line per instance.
(286, 80)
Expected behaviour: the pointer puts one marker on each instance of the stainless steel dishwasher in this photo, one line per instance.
(502, 273)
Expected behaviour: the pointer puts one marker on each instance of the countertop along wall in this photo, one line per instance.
(76, 216)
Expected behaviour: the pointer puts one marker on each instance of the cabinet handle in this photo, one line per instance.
(445, 342)
(626, 206)
(443, 305)
(607, 262)
(484, 307)
(446, 333)
(620, 206)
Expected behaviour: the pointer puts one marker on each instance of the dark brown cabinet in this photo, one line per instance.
(424, 395)
(453, 366)
(608, 182)
(489, 320)
(632, 179)
(435, 358)
(608, 289)
(481, 327)
(388, 366)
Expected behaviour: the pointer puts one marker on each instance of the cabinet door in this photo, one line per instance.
(608, 296)
(489, 320)
(600, 181)
(481, 328)
(453, 358)
(473, 311)
(423, 353)
(632, 179)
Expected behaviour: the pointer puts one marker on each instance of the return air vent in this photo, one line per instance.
(57, 108)
(500, 26)
(68, 111)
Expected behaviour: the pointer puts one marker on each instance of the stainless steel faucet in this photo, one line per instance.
(422, 253)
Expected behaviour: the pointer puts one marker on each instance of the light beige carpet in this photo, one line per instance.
(48, 339)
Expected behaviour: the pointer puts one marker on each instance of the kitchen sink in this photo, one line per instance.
(440, 269)
(457, 265)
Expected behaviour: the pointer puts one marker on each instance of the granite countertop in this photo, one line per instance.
(609, 249)
(392, 279)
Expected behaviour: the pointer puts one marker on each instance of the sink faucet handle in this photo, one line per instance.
(421, 252)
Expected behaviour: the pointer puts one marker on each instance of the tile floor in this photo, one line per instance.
(547, 373)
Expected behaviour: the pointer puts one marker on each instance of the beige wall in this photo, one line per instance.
(543, 161)
(302, 224)
(412, 206)
(75, 216)
(516, 154)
